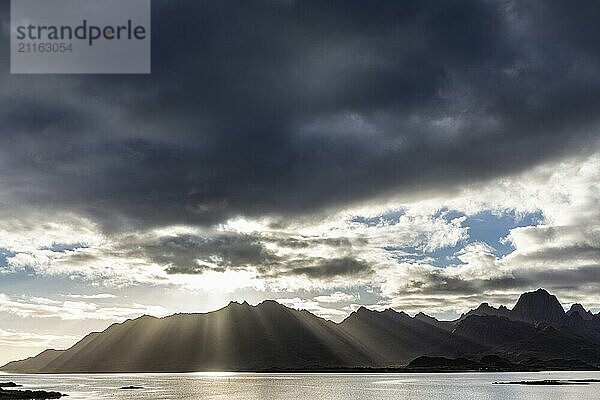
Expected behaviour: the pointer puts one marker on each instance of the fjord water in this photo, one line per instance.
(463, 386)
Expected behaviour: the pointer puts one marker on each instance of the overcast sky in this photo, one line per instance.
(420, 155)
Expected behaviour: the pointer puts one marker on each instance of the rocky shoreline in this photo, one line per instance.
(25, 394)
(551, 382)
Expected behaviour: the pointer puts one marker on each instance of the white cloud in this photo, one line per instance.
(9, 337)
(36, 307)
(225, 282)
(314, 307)
(92, 296)
(561, 254)
(337, 297)
(383, 233)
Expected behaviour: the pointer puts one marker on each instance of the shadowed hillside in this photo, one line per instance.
(271, 336)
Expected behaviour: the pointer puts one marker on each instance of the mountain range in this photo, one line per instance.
(535, 333)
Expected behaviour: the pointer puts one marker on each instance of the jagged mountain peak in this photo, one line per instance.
(485, 309)
(539, 306)
(422, 316)
(237, 303)
(581, 311)
(388, 312)
(362, 309)
(539, 294)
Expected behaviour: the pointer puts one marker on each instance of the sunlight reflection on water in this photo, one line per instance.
(236, 386)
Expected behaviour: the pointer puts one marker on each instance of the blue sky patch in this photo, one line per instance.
(4, 256)
(391, 218)
(490, 228)
(485, 227)
(64, 247)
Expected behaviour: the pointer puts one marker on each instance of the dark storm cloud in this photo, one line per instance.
(329, 268)
(191, 254)
(284, 107)
(436, 282)
(306, 242)
(195, 254)
(562, 255)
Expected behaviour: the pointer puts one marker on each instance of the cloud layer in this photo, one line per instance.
(287, 107)
(419, 155)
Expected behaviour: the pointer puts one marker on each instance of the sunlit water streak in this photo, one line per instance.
(234, 386)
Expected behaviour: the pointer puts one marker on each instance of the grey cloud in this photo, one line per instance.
(191, 254)
(434, 291)
(304, 242)
(567, 254)
(328, 268)
(195, 254)
(437, 283)
(283, 108)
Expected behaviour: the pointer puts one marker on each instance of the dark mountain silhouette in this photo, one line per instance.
(490, 331)
(485, 309)
(539, 306)
(583, 313)
(35, 364)
(443, 363)
(493, 361)
(270, 336)
(238, 336)
(392, 337)
(446, 325)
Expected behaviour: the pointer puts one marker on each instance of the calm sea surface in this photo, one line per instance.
(311, 386)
